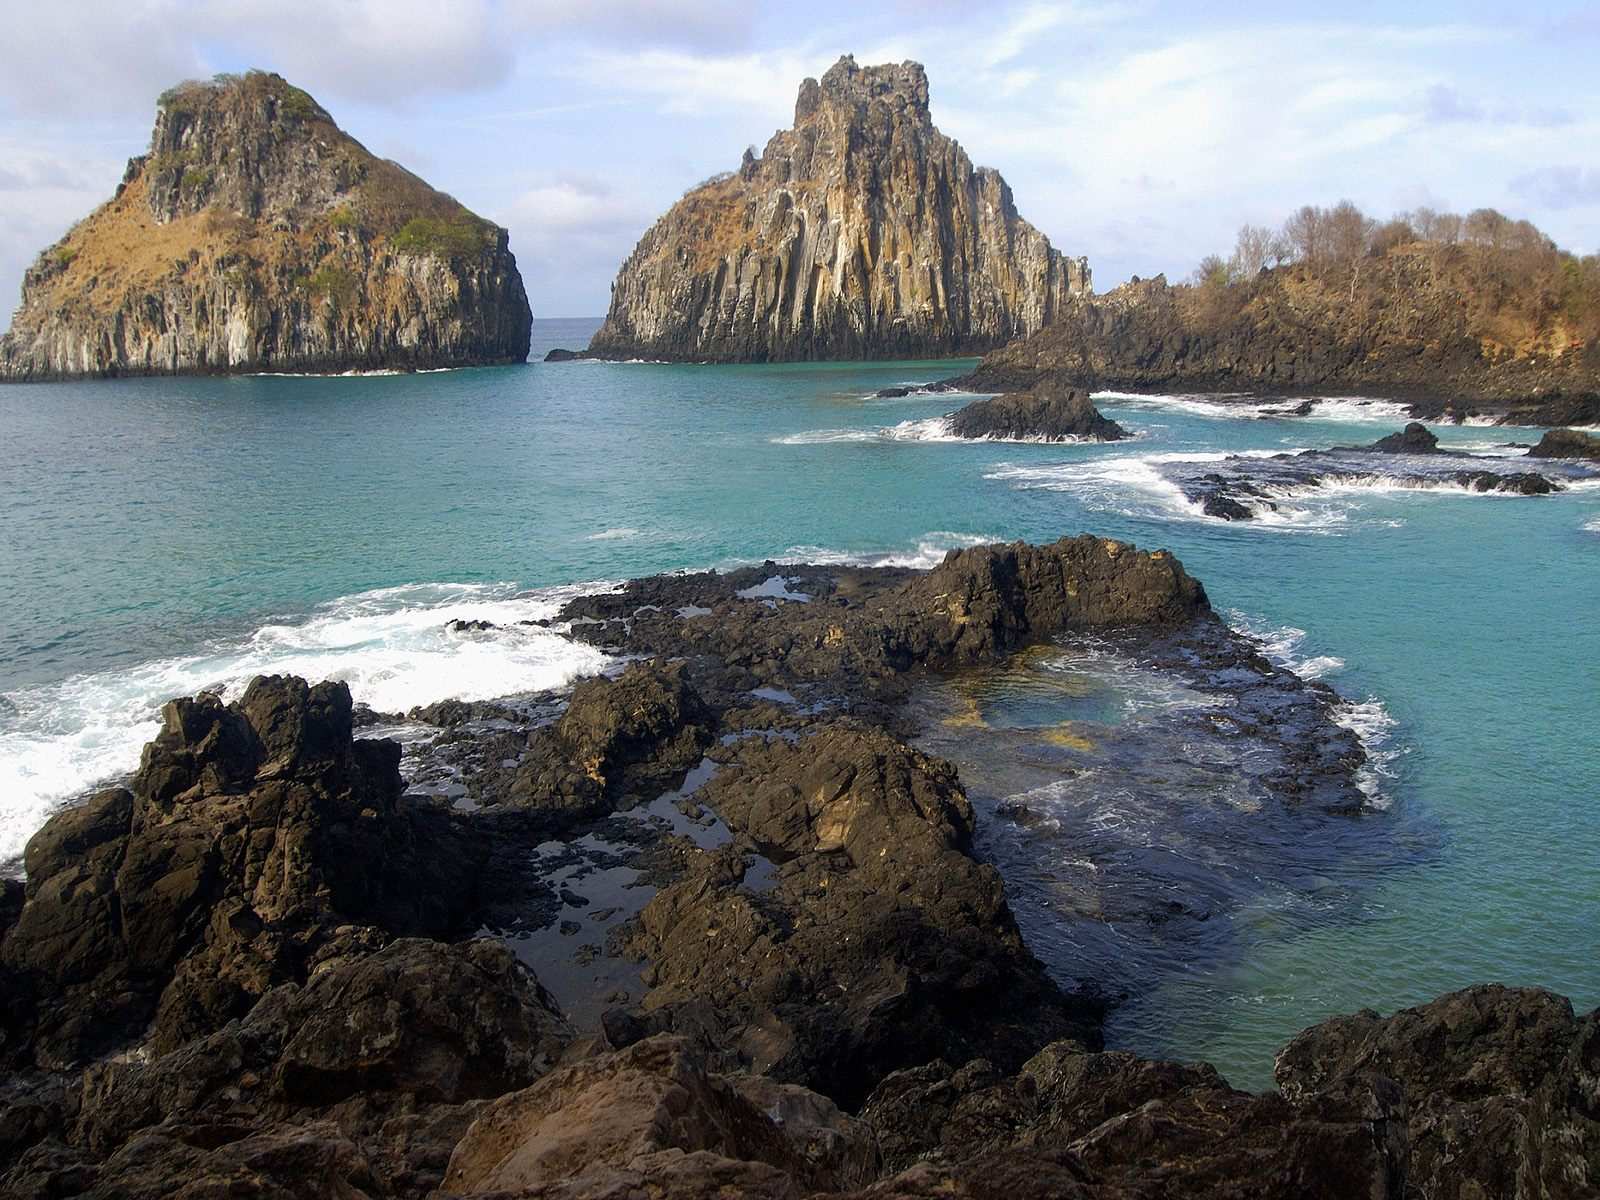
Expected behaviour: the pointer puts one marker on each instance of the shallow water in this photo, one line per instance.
(165, 535)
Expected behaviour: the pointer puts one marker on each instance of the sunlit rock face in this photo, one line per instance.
(863, 232)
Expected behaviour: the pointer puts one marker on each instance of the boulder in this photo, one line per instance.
(1050, 411)
(652, 1116)
(1567, 443)
(1415, 438)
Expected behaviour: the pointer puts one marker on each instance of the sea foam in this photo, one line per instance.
(391, 646)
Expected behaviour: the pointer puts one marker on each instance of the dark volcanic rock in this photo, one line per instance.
(256, 839)
(651, 1119)
(1049, 411)
(1567, 443)
(359, 1082)
(1413, 439)
(559, 355)
(1501, 1085)
(881, 944)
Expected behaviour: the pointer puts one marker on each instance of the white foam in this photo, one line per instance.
(1374, 728)
(1592, 525)
(613, 535)
(391, 646)
(924, 429)
(929, 552)
(1237, 407)
(1283, 644)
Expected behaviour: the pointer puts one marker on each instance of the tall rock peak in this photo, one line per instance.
(256, 235)
(862, 232)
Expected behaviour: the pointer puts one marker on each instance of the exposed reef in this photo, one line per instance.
(265, 968)
(257, 236)
(1241, 488)
(862, 232)
(1047, 412)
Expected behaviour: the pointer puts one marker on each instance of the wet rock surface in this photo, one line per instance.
(254, 971)
(1050, 411)
(1567, 443)
(1244, 488)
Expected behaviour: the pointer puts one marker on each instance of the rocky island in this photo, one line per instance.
(258, 236)
(1480, 316)
(861, 233)
(267, 968)
(1049, 411)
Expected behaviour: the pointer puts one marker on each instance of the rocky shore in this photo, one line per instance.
(1407, 329)
(257, 236)
(271, 966)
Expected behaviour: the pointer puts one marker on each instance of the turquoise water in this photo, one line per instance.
(164, 535)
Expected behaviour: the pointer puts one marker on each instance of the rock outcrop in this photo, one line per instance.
(1412, 325)
(1567, 443)
(258, 843)
(257, 236)
(1049, 411)
(863, 232)
(251, 973)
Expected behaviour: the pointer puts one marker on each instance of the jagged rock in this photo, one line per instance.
(257, 236)
(651, 1116)
(258, 840)
(359, 1082)
(1050, 411)
(1415, 438)
(863, 232)
(559, 355)
(1567, 443)
(880, 945)
(865, 627)
(645, 727)
(1501, 1083)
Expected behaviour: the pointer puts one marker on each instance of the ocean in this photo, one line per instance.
(164, 536)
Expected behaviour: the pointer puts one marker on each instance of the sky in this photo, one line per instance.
(1140, 133)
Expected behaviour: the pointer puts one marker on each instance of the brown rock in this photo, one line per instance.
(863, 232)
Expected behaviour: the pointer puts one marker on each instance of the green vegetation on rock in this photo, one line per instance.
(463, 236)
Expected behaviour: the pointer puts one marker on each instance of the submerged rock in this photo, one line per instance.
(1050, 411)
(1567, 443)
(862, 232)
(256, 235)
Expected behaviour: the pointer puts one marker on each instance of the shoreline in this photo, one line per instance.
(806, 907)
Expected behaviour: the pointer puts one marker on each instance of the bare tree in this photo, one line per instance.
(1252, 251)
(1349, 232)
(1304, 232)
(1486, 227)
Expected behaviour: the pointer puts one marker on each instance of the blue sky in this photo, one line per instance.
(1140, 133)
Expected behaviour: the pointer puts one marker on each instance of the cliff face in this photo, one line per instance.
(1453, 329)
(863, 232)
(257, 236)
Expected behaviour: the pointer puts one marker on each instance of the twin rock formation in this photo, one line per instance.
(863, 232)
(257, 236)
